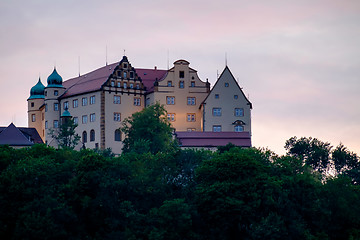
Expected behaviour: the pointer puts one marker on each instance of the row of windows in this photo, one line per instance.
(238, 112)
(84, 102)
(125, 85)
(117, 136)
(217, 128)
(217, 96)
(55, 124)
(170, 100)
(181, 84)
(190, 117)
(124, 74)
(117, 100)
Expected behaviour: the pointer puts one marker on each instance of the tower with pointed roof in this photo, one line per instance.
(35, 104)
(52, 106)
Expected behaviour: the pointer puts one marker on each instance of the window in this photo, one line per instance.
(66, 105)
(117, 117)
(226, 84)
(216, 96)
(239, 112)
(118, 84)
(137, 86)
(147, 102)
(181, 84)
(45, 93)
(46, 124)
(192, 84)
(56, 92)
(191, 101)
(169, 83)
(217, 128)
(170, 100)
(75, 103)
(33, 118)
(125, 85)
(56, 123)
(117, 99)
(117, 135)
(236, 96)
(84, 101)
(191, 117)
(92, 100)
(92, 117)
(191, 129)
(131, 85)
(84, 119)
(84, 137)
(181, 74)
(171, 117)
(46, 107)
(239, 128)
(131, 75)
(32, 104)
(137, 101)
(124, 74)
(125, 65)
(92, 135)
(76, 120)
(42, 116)
(216, 111)
(56, 107)
(113, 83)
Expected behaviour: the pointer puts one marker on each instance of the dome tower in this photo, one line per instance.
(35, 113)
(53, 91)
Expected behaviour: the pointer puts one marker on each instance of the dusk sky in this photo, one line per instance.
(298, 61)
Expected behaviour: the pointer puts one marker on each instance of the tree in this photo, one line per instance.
(312, 151)
(65, 136)
(148, 131)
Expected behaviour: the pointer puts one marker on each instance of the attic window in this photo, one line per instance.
(226, 84)
(125, 65)
(131, 75)
(181, 74)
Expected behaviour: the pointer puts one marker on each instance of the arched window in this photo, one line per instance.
(239, 128)
(117, 135)
(92, 135)
(84, 137)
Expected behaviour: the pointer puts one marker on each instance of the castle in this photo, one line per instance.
(99, 100)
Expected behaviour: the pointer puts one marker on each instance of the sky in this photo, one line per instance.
(297, 61)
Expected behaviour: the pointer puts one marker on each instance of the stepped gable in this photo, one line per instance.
(14, 137)
(93, 81)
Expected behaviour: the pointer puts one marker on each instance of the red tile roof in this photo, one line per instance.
(213, 139)
(94, 80)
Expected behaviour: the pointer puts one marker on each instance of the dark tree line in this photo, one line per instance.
(48, 193)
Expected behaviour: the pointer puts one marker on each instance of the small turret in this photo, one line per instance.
(54, 80)
(37, 91)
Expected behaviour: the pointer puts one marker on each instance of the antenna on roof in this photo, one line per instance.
(79, 64)
(168, 59)
(124, 52)
(225, 59)
(106, 56)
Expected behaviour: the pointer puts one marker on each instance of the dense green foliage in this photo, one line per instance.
(48, 193)
(148, 131)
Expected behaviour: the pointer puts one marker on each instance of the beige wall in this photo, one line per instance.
(227, 103)
(180, 108)
(81, 111)
(51, 114)
(38, 124)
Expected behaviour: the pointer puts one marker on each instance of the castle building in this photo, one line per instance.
(100, 100)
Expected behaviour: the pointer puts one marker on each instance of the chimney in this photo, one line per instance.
(155, 68)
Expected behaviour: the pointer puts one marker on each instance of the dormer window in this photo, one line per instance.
(125, 65)
(226, 84)
(192, 84)
(169, 83)
(181, 74)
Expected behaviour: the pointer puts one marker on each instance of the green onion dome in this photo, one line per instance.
(54, 80)
(37, 91)
(66, 113)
